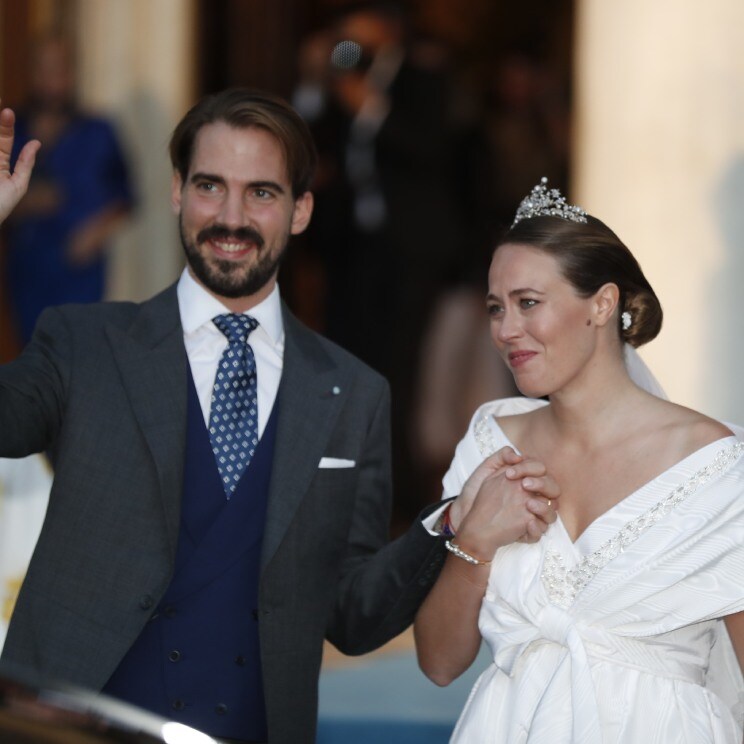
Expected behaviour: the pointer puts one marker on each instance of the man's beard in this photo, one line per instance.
(229, 278)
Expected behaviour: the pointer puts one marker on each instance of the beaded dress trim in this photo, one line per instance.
(563, 584)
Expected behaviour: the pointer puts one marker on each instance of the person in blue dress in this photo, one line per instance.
(79, 195)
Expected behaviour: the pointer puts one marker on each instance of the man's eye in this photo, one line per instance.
(206, 186)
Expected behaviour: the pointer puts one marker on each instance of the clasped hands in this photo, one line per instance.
(13, 185)
(508, 498)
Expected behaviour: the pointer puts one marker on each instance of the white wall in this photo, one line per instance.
(659, 156)
(136, 63)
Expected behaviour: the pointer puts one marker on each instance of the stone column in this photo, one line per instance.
(135, 60)
(659, 156)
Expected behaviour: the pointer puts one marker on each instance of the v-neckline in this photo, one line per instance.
(576, 544)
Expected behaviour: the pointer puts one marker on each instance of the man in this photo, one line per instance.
(154, 579)
(193, 559)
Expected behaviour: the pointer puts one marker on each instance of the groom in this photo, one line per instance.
(222, 490)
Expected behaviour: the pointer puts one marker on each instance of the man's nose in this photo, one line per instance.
(232, 213)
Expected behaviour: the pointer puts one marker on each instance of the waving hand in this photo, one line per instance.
(13, 185)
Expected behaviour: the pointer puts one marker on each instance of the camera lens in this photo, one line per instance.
(346, 55)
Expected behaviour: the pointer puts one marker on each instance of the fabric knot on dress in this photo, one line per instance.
(551, 625)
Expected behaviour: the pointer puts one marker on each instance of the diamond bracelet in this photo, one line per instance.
(460, 553)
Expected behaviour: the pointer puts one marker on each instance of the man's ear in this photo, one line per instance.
(605, 302)
(303, 211)
(176, 186)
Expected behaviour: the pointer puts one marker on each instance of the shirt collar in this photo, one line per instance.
(197, 308)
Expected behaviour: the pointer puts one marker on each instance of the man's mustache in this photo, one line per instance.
(222, 232)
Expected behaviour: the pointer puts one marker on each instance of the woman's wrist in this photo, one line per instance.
(477, 542)
(457, 550)
(476, 576)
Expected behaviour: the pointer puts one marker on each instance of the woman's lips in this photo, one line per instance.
(518, 358)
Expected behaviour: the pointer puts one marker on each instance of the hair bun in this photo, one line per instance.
(645, 317)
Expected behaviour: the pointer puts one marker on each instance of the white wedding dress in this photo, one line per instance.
(616, 638)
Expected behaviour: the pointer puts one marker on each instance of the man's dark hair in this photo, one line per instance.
(245, 108)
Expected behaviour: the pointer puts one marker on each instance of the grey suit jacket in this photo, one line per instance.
(103, 389)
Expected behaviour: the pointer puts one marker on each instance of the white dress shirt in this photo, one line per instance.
(205, 343)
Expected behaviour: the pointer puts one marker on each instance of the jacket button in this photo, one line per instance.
(146, 602)
(169, 611)
(240, 660)
(254, 612)
(220, 709)
(174, 655)
(178, 705)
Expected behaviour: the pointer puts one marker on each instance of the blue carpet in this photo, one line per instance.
(382, 732)
(387, 700)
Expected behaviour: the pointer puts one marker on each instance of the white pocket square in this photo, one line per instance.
(335, 462)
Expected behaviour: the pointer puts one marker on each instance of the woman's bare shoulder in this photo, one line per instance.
(689, 430)
(517, 425)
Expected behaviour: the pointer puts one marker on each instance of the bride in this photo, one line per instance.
(623, 622)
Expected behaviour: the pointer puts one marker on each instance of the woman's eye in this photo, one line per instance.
(493, 309)
(526, 303)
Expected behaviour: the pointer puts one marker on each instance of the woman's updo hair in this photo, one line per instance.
(591, 255)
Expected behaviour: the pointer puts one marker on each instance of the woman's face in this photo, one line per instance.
(538, 322)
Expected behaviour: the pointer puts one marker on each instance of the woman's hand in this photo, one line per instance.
(513, 502)
(498, 462)
(13, 185)
(507, 498)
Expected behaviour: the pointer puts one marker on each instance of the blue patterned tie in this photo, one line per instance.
(233, 417)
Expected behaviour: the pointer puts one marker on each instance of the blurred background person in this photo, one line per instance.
(459, 370)
(393, 215)
(526, 124)
(79, 196)
(524, 135)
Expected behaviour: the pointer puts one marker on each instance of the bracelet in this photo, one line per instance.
(447, 529)
(460, 553)
(443, 525)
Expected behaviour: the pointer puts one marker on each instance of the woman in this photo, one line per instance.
(624, 621)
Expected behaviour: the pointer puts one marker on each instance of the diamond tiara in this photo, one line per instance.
(545, 202)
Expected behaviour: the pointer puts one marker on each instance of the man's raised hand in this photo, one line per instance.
(13, 185)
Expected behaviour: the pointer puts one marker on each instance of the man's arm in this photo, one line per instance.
(382, 588)
(381, 585)
(32, 389)
(13, 185)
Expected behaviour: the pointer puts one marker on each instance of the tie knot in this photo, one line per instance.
(236, 327)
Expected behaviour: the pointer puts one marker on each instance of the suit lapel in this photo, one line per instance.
(311, 394)
(152, 362)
